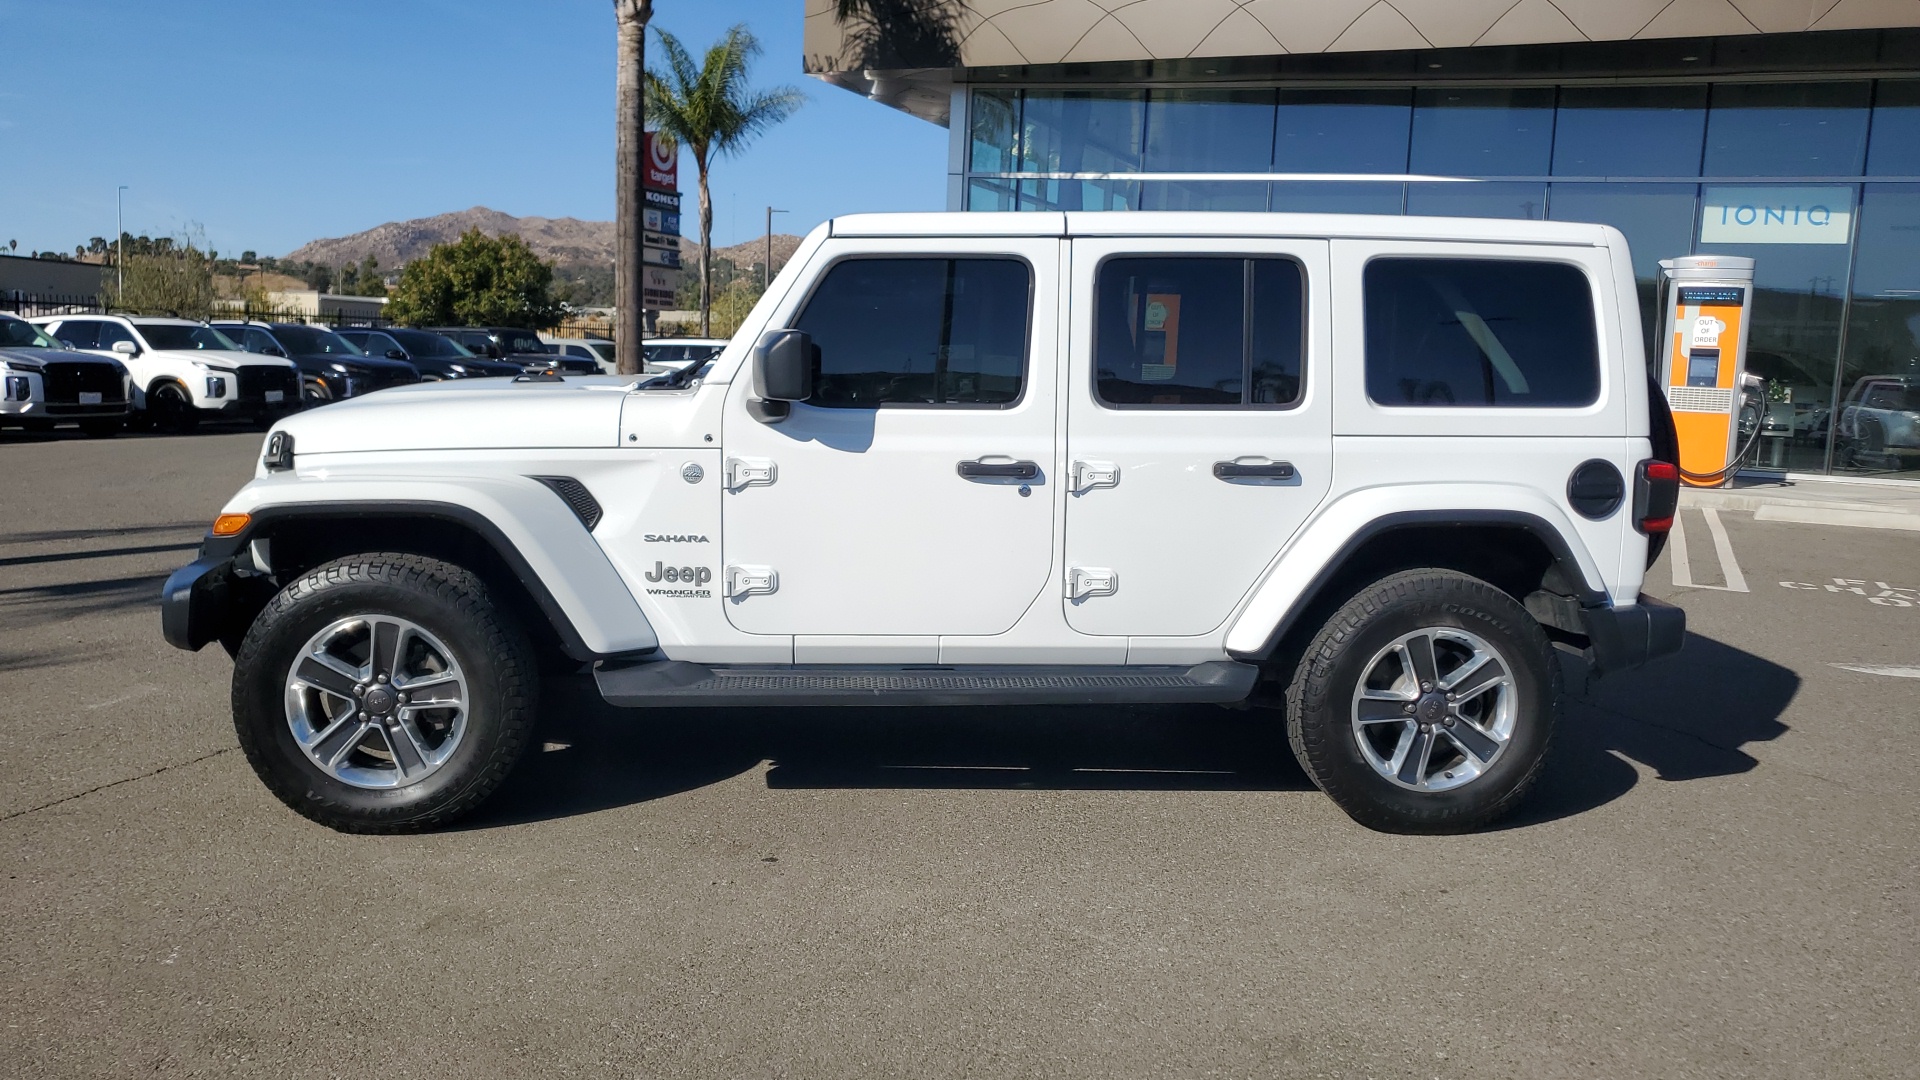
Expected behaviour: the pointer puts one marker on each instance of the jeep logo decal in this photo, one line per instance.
(692, 575)
(674, 538)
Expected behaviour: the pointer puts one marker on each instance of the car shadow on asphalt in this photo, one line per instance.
(1686, 717)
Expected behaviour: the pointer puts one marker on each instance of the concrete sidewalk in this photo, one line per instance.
(1860, 504)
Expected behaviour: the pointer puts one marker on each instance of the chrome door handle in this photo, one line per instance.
(1244, 470)
(1000, 470)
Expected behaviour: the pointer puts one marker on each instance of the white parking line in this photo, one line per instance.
(1736, 582)
(1873, 669)
(1723, 547)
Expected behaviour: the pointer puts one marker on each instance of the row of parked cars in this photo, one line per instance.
(106, 372)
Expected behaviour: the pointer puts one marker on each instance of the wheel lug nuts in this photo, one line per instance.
(1448, 721)
(1426, 729)
(383, 678)
(1408, 707)
(1426, 688)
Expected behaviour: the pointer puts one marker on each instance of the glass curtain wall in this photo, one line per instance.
(1836, 330)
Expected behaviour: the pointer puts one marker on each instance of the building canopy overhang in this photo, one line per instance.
(911, 54)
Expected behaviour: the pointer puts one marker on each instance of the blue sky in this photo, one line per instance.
(268, 123)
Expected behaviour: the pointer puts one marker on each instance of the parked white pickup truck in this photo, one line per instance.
(1370, 469)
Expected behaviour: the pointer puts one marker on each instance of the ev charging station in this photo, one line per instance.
(1707, 303)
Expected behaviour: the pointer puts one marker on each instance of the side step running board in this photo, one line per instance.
(678, 683)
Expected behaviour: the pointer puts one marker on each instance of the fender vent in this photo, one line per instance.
(576, 496)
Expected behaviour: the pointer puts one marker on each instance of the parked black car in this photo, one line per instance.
(331, 367)
(518, 346)
(434, 356)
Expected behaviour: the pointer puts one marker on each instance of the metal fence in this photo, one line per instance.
(29, 306)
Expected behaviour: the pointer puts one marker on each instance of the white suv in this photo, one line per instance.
(183, 370)
(1371, 471)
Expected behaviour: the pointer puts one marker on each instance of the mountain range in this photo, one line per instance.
(567, 242)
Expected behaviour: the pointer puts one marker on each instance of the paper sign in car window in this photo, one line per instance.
(1161, 357)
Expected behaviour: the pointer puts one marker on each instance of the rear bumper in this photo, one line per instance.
(1624, 638)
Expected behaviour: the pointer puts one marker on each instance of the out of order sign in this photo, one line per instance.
(1777, 215)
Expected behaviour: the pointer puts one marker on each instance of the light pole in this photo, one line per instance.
(119, 246)
(766, 280)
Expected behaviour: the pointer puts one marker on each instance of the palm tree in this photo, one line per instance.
(629, 96)
(710, 110)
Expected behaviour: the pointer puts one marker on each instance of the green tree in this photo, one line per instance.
(711, 111)
(362, 280)
(478, 280)
(163, 280)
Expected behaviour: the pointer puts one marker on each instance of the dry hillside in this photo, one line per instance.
(564, 241)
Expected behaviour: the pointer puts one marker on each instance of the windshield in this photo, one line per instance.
(25, 334)
(313, 341)
(523, 343)
(422, 343)
(184, 338)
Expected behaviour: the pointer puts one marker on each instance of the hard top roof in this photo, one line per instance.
(1216, 223)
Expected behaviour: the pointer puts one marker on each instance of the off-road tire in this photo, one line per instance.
(449, 602)
(1320, 700)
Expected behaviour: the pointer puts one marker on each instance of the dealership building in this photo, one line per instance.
(1787, 131)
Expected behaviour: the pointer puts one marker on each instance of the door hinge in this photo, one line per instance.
(750, 472)
(1086, 581)
(1088, 475)
(751, 580)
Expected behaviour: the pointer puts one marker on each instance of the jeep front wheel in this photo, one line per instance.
(383, 693)
(1425, 704)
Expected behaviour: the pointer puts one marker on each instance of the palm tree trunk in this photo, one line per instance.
(629, 272)
(706, 255)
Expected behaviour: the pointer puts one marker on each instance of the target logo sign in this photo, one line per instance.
(662, 163)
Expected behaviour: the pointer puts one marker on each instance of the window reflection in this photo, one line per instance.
(1339, 197)
(1787, 129)
(1494, 200)
(1210, 131)
(1342, 131)
(1877, 421)
(1629, 131)
(1081, 131)
(1203, 195)
(1895, 142)
(993, 120)
(1483, 132)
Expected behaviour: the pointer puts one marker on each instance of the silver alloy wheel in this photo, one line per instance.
(1435, 709)
(376, 701)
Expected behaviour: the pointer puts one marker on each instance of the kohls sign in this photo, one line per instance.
(662, 162)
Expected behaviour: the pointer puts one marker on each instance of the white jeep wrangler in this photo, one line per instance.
(1371, 470)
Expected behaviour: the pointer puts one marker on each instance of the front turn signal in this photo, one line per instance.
(230, 524)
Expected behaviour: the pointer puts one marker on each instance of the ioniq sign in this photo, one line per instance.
(1777, 215)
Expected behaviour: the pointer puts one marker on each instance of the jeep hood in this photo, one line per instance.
(469, 414)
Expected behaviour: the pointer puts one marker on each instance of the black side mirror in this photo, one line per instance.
(783, 364)
(396, 354)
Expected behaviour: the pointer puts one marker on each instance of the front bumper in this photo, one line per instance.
(1624, 638)
(193, 602)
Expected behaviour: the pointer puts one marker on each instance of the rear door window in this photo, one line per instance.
(1186, 331)
(1447, 333)
(79, 333)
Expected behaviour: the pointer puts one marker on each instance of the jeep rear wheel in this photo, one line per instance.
(383, 693)
(1425, 704)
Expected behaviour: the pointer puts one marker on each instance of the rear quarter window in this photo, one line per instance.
(1449, 333)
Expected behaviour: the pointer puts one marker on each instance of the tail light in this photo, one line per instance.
(1656, 494)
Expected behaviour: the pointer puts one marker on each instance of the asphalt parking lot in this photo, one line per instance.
(1716, 879)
